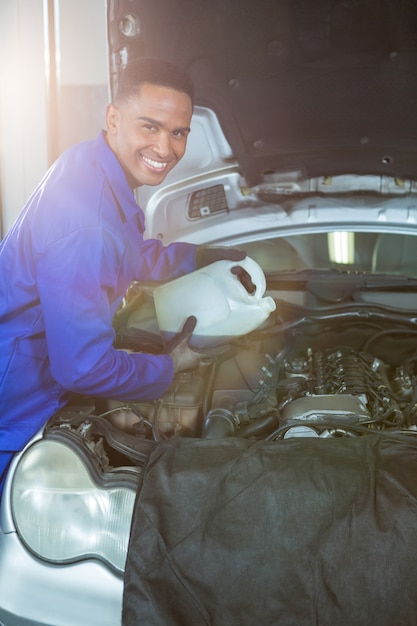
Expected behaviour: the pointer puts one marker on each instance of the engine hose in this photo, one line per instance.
(157, 435)
(219, 423)
(258, 427)
(209, 388)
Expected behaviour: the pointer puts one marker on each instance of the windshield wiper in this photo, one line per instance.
(338, 286)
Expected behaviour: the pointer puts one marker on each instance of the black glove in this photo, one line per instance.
(204, 255)
(185, 333)
(185, 357)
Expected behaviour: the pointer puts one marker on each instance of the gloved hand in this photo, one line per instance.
(206, 255)
(184, 335)
(183, 356)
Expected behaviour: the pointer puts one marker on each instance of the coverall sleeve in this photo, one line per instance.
(162, 263)
(79, 289)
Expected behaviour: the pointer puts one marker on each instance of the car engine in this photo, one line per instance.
(303, 376)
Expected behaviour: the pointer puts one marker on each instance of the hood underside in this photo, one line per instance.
(319, 86)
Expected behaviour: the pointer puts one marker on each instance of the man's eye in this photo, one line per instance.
(179, 134)
(150, 128)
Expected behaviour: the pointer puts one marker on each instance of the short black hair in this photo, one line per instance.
(155, 72)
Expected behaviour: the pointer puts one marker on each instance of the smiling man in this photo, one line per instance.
(147, 129)
(74, 250)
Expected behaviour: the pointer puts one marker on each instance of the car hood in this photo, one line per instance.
(322, 87)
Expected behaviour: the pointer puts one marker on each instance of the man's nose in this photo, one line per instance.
(162, 146)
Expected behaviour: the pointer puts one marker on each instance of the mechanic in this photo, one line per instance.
(78, 244)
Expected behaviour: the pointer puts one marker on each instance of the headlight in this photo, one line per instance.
(62, 514)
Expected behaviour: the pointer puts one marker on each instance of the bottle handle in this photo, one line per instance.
(256, 274)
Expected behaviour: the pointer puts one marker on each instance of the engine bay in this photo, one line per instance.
(348, 372)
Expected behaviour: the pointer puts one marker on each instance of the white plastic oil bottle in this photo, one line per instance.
(222, 305)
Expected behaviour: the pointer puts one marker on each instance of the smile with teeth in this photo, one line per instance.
(154, 164)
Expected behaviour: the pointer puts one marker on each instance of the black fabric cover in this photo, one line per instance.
(299, 532)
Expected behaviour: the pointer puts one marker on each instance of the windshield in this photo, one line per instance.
(373, 253)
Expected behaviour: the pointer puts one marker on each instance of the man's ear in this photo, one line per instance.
(112, 119)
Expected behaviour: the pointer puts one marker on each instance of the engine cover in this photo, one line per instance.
(326, 408)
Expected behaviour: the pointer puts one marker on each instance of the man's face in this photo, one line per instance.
(148, 133)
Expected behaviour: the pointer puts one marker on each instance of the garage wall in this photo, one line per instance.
(83, 91)
(23, 155)
(81, 61)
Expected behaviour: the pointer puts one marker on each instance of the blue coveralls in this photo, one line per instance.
(65, 266)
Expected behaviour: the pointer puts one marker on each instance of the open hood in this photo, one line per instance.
(322, 87)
